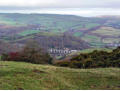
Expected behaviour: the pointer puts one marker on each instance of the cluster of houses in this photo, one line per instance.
(60, 52)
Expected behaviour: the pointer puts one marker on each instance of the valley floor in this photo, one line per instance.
(20, 75)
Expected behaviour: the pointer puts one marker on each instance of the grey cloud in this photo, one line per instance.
(75, 7)
(21, 4)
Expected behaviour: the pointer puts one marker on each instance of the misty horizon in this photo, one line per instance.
(94, 12)
(87, 8)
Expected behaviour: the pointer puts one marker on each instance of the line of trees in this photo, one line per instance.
(31, 52)
(95, 59)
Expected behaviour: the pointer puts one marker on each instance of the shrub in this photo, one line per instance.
(4, 57)
(63, 63)
(76, 64)
(95, 59)
(88, 63)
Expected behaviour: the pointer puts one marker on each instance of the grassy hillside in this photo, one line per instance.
(91, 50)
(19, 75)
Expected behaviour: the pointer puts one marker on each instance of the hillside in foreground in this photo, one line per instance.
(19, 75)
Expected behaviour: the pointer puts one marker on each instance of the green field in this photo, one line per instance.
(78, 34)
(91, 38)
(111, 40)
(9, 21)
(28, 32)
(107, 31)
(91, 50)
(91, 25)
(20, 75)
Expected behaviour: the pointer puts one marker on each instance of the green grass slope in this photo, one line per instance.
(19, 75)
(90, 50)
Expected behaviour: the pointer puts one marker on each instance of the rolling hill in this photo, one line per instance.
(26, 76)
(86, 31)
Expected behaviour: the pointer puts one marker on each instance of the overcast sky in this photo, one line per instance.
(75, 7)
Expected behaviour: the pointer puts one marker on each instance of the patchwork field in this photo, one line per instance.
(97, 32)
